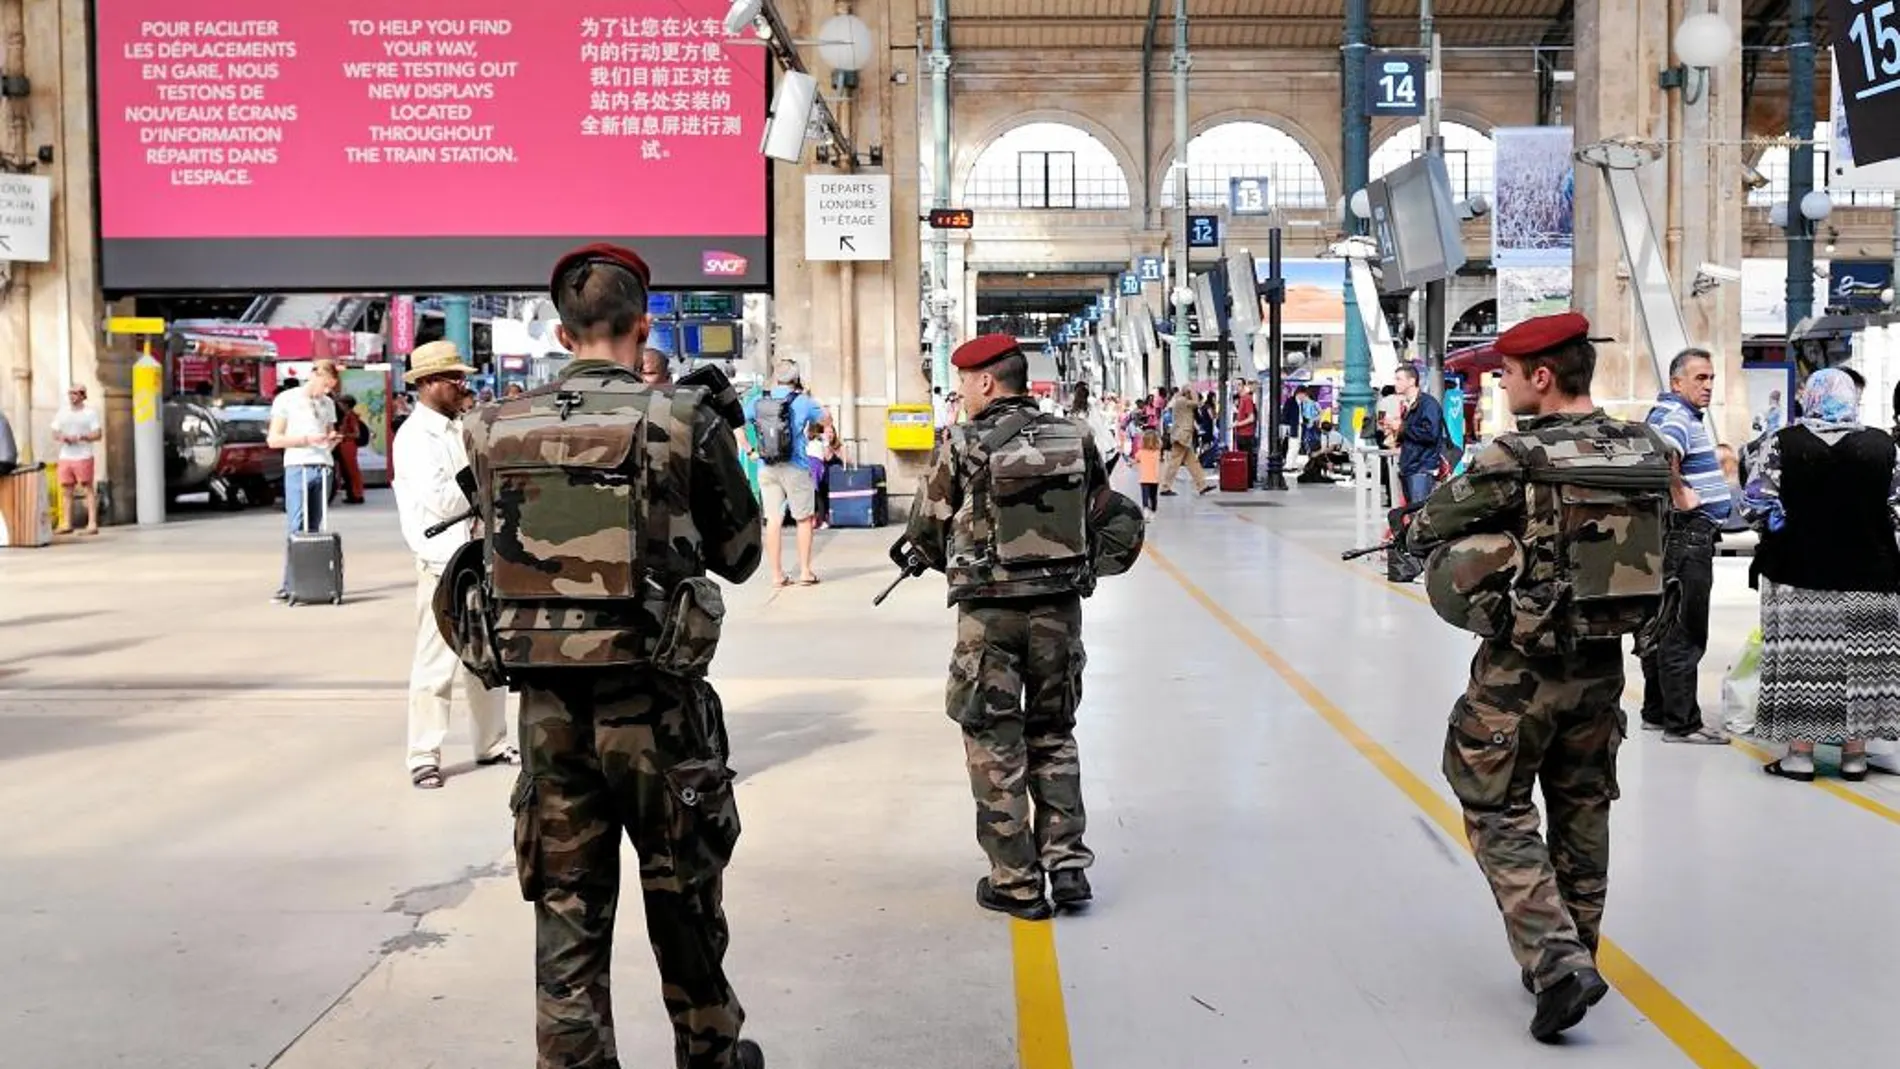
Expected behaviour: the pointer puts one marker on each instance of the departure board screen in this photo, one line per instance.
(425, 144)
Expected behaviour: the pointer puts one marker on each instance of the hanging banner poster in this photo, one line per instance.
(444, 146)
(1533, 218)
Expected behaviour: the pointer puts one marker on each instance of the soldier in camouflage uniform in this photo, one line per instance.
(1550, 546)
(619, 727)
(1003, 512)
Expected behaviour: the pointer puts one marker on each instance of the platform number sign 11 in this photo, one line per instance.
(1395, 84)
(1867, 59)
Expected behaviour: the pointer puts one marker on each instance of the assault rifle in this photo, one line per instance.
(910, 562)
(465, 479)
(1398, 520)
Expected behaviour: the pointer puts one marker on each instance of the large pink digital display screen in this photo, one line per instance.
(352, 144)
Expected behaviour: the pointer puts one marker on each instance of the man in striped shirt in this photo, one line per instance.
(1701, 502)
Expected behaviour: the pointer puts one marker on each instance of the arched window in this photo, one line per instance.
(1046, 165)
(1248, 150)
(1774, 166)
(1470, 159)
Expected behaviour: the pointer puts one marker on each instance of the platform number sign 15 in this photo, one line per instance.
(1867, 58)
(1395, 84)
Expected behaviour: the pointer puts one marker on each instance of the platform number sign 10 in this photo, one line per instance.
(1867, 58)
(1396, 84)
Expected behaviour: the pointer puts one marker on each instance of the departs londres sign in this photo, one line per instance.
(430, 145)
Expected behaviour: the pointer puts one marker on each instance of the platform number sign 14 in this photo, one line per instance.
(1867, 59)
(1396, 84)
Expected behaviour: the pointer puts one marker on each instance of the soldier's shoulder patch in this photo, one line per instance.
(1461, 488)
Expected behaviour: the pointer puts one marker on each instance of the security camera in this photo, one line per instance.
(741, 15)
(1752, 179)
(1475, 208)
(1709, 277)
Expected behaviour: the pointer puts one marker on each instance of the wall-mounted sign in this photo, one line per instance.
(26, 218)
(1395, 84)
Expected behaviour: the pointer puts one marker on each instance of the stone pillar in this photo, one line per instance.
(1693, 192)
(51, 329)
(879, 328)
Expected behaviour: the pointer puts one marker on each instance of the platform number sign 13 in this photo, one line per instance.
(1395, 84)
(1867, 58)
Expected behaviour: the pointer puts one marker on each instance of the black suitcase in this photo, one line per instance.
(316, 557)
(859, 497)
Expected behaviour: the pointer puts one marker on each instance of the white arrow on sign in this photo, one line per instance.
(848, 217)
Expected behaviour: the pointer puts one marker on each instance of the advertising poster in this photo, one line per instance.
(1529, 292)
(1533, 216)
(1315, 296)
(369, 387)
(434, 145)
(1770, 397)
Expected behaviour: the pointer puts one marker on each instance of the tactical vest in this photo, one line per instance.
(1022, 529)
(1588, 563)
(570, 479)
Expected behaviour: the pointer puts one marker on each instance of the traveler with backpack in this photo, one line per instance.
(779, 423)
(1550, 548)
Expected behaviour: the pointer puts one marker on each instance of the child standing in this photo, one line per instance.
(1149, 457)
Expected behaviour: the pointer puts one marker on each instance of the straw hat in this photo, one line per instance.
(435, 358)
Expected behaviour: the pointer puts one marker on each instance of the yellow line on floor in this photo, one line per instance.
(1674, 1019)
(1042, 1023)
(1749, 750)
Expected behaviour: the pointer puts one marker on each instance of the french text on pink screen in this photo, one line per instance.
(427, 118)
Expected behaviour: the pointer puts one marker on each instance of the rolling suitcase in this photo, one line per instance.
(316, 557)
(1233, 472)
(859, 497)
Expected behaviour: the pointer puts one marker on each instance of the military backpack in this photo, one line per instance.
(1025, 526)
(568, 490)
(1589, 561)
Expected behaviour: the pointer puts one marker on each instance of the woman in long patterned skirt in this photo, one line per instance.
(1823, 492)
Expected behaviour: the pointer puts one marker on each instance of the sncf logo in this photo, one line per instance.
(722, 264)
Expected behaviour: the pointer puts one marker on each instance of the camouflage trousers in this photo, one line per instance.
(1558, 722)
(643, 753)
(1015, 683)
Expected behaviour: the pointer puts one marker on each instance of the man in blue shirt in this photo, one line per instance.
(785, 480)
(1421, 437)
(1701, 503)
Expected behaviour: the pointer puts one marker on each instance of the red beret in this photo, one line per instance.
(983, 351)
(1542, 334)
(601, 253)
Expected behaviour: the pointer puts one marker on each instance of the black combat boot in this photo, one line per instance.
(1529, 984)
(1029, 909)
(750, 1056)
(1562, 1005)
(1070, 888)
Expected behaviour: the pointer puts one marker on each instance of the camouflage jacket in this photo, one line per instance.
(953, 519)
(1584, 495)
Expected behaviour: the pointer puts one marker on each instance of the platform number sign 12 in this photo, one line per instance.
(1395, 84)
(1203, 231)
(1867, 59)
